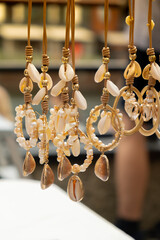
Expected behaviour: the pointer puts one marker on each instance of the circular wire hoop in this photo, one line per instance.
(154, 129)
(95, 140)
(139, 122)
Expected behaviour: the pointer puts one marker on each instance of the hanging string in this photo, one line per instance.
(73, 32)
(44, 28)
(106, 12)
(67, 24)
(29, 20)
(149, 23)
(131, 26)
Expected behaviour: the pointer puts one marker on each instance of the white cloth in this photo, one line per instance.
(29, 213)
(141, 19)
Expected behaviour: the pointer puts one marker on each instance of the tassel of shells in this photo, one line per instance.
(102, 165)
(27, 112)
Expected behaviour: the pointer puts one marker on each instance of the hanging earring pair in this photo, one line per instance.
(37, 130)
(66, 117)
(108, 115)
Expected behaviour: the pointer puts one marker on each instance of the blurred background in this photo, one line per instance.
(99, 196)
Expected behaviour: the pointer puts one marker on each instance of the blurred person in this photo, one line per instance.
(132, 158)
(5, 104)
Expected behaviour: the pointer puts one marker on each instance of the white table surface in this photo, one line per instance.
(28, 213)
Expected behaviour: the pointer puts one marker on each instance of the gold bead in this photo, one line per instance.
(26, 73)
(29, 59)
(65, 60)
(27, 89)
(44, 68)
(76, 168)
(105, 90)
(75, 87)
(106, 60)
(65, 90)
(46, 98)
(107, 75)
(44, 83)
(132, 57)
(72, 101)
(152, 58)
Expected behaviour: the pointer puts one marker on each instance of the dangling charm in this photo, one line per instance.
(47, 177)
(29, 164)
(75, 189)
(101, 169)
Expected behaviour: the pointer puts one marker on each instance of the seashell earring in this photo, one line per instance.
(108, 116)
(26, 111)
(132, 104)
(69, 136)
(150, 106)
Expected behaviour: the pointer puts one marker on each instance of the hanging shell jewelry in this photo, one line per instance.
(105, 111)
(150, 107)
(26, 111)
(132, 104)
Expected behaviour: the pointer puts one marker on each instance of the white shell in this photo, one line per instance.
(104, 124)
(50, 82)
(60, 124)
(100, 74)
(33, 73)
(80, 100)
(112, 88)
(56, 90)
(155, 71)
(68, 75)
(76, 148)
(38, 97)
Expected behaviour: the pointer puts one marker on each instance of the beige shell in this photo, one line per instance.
(138, 70)
(80, 100)
(68, 75)
(48, 77)
(155, 71)
(130, 71)
(75, 188)
(101, 169)
(99, 75)
(47, 177)
(29, 164)
(146, 71)
(112, 88)
(39, 96)
(60, 124)
(33, 73)
(23, 84)
(104, 124)
(56, 90)
(76, 148)
(147, 112)
(64, 168)
(132, 109)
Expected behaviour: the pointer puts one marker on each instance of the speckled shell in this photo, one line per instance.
(57, 89)
(112, 88)
(68, 75)
(33, 73)
(155, 71)
(39, 96)
(99, 75)
(23, 84)
(50, 82)
(80, 100)
(104, 124)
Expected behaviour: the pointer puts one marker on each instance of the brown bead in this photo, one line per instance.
(47, 177)
(29, 164)
(101, 169)
(75, 189)
(64, 168)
